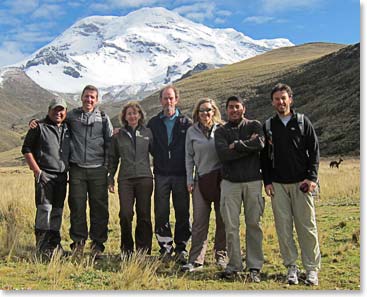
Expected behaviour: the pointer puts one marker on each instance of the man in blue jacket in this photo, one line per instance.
(169, 133)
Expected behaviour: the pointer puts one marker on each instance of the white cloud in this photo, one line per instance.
(271, 6)
(33, 37)
(258, 19)
(224, 13)
(219, 21)
(74, 4)
(198, 11)
(10, 53)
(109, 5)
(48, 11)
(21, 6)
(8, 19)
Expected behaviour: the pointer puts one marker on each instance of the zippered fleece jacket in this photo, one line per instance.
(50, 146)
(133, 156)
(91, 138)
(200, 153)
(169, 160)
(241, 164)
(296, 157)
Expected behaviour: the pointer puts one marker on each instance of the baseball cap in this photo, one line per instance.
(57, 102)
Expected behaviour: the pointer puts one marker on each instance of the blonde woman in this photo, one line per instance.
(201, 158)
(130, 147)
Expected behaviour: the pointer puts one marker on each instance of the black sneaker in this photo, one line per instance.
(228, 274)
(181, 257)
(77, 248)
(165, 257)
(254, 276)
(96, 250)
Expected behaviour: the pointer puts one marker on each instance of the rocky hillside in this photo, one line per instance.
(324, 77)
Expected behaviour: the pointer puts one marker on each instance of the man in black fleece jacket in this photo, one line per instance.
(238, 144)
(290, 164)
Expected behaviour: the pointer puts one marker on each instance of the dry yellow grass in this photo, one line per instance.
(338, 215)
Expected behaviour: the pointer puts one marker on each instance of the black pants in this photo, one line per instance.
(164, 185)
(50, 192)
(139, 191)
(91, 184)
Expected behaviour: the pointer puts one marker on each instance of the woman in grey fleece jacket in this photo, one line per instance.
(131, 147)
(201, 158)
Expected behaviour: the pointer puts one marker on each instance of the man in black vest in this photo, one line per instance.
(46, 150)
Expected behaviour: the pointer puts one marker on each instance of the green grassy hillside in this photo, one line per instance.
(324, 78)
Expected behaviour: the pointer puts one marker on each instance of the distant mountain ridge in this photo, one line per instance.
(136, 54)
(325, 79)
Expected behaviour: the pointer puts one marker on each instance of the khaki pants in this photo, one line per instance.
(290, 205)
(232, 196)
(200, 227)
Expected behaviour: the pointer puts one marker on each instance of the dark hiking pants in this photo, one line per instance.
(164, 186)
(136, 191)
(88, 184)
(50, 192)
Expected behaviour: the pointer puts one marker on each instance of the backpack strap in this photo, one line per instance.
(104, 130)
(269, 136)
(268, 126)
(301, 122)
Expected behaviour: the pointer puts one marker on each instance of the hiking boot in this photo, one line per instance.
(221, 263)
(191, 267)
(165, 257)
(254, 275)
(96, 254)
(77, 248)
(96, 250)
(228, 274)
(58, 250)
(181, 257)
(292, 275)
(312, 278)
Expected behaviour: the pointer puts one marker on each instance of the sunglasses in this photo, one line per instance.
(205, 110)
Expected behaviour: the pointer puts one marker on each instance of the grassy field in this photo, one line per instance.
(338, 216)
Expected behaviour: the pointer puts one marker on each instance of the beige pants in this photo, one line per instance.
(291, 206)
(200, 227)
(232, 197)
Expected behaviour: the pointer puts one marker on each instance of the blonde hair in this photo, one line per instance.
(217, 118)
(135, 105)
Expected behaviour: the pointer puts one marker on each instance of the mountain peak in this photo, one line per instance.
(141, 51)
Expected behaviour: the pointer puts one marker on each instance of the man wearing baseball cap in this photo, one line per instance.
(46, 150)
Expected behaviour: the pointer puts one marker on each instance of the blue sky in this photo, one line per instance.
(27, 25)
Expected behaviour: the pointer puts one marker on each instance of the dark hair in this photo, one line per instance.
(89, 88)
(281, 87)
(169, 87)
(135, 105)
(235, 98)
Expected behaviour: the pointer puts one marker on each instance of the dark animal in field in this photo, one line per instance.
(336, 163)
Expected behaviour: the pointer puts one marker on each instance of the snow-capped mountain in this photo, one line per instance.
(137, 53)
